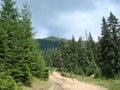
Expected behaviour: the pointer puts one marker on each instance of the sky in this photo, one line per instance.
(65, 18)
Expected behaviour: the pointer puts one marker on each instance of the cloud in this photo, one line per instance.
(115, 2)
(63, 5)
(69, 23)
(64, 18)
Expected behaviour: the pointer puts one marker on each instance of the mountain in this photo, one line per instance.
(52, 38)
(49, 42)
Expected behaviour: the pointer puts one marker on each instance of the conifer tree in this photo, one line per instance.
(91, 54)
(110, 42)
(9, 18)
(13, 50)
(106, 51)
(59, 56)
(73, 53)
(82, 57)
(19, 54)
(114, 28)
(32, 55)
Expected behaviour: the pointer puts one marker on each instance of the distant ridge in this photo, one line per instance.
(52, 38)
(49, 42)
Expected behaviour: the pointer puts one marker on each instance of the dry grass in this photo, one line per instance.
(38, 84)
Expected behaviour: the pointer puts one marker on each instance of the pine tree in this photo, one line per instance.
(3, 45)
(114, 28)
(91, 54)
(49, 55)
(32, 55)
(19, 53)
(82, 57)
(13, 51)
(110, 42)
(73, 54)
(98, 52)
(59, 57)
(106, 50)
(9, 18)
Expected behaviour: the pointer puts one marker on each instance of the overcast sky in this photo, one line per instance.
(64, 18)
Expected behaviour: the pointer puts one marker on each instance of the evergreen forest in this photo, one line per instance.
(20, 57)
(88, 57)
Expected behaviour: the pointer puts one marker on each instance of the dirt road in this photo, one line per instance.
(64, 83)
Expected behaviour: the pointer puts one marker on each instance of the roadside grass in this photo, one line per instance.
(108, 83)
(38, 84)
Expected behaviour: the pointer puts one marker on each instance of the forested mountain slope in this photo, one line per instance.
(49, 42)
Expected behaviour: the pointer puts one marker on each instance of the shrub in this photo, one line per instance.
(7, 82)
(98, 72)
(46, 74)
(108, 72)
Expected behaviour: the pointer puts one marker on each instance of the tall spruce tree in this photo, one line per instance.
(110, 46)
(105, 50)
(114, 28)
(32, 55)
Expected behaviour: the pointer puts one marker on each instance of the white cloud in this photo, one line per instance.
(73, 23)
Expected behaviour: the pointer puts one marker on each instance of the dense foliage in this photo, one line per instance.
(20, 58)
(77, 57)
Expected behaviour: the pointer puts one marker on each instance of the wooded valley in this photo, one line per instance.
(22, 57)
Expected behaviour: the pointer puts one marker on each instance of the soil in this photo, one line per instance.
(63, 83)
